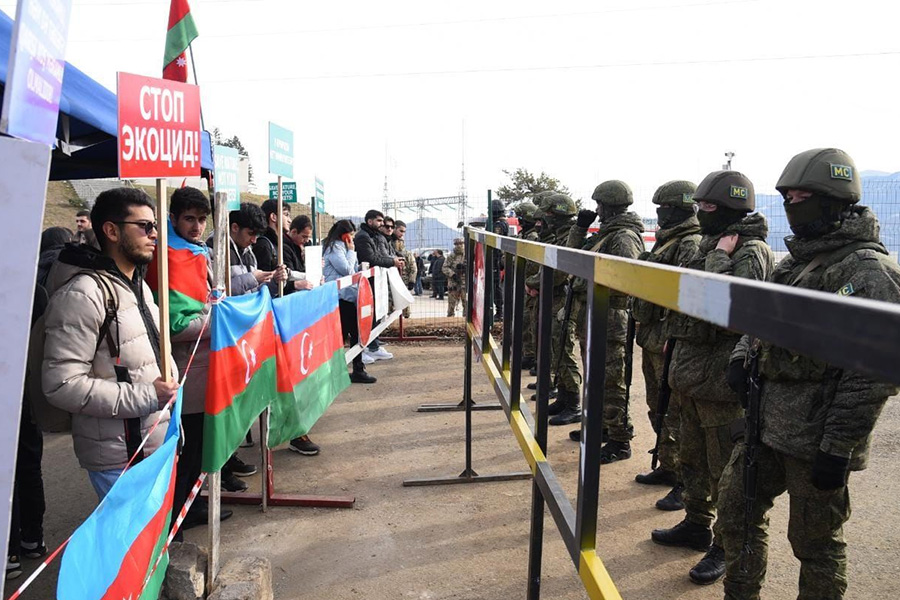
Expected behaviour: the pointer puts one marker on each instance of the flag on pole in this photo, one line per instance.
(241, 381)
(312, 369)
(181, 33)
(188, 287)
(111, 554)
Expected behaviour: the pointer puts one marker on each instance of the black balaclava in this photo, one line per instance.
(715, 222)
(607, 212)
(815, 216)
(670, 216)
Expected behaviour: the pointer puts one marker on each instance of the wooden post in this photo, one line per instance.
(162, 261)
(221, 271)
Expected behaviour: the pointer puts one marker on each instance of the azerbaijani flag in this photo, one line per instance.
(179, 36)
(111, 554)
(241, 381)
(188, 280)
(312, 369)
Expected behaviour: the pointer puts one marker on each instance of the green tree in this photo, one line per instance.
(523, 184)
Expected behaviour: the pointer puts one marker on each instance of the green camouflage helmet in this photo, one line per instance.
(560, 204)
(678, 193)
(727, 188)
(826, 171)
(525, 211)
(613, 193)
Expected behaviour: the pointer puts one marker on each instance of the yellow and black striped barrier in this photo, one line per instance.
(852, 333)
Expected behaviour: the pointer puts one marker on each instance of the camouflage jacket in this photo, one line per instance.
(531, 268)
(409, 270)
(808, 405)
(620, 236)
(702, 350)
(557, 237)
(456, 279)
(675, 246)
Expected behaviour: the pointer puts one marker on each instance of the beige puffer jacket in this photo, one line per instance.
(79, 377)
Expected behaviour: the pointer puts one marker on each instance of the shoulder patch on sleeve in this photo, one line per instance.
(846, 290)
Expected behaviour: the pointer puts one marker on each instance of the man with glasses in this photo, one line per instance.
(372, 247)
(102, 357)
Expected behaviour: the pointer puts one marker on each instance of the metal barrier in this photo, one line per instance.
(857, 334)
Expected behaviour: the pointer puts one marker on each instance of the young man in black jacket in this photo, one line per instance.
(373, 247)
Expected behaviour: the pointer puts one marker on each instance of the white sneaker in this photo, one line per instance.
(366, 358)
(381, 354)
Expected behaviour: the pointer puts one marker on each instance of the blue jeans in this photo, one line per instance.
(417, 288)
(103, 481)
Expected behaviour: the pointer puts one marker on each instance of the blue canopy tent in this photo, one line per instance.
(87, 126)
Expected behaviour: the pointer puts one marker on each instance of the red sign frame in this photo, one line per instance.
(158, 127)
(365, 310)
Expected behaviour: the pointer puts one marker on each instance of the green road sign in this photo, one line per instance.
(288, 191)
(320, 196)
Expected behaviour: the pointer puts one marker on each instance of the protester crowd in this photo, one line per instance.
(95, 360)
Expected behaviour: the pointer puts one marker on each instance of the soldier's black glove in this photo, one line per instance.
(737, 377)
(585, 218)
(830, 471)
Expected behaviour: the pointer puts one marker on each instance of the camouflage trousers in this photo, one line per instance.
(564, 361)
(529, 331)
(704, 451)
(652, 368)
(616, 416)
(456, 296)
(815, 526)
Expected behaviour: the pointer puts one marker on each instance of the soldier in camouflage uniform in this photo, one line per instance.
(558, 212)
(733, 243)
(525, 212)
(620, 234)
(816, 419)
(408, 270)
(455, 270)
(677, 241)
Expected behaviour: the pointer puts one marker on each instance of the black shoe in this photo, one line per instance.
(230, 483)
(13, 566)
(528, 363)
(532, 385)
(533, 371)
(575, 436)
(304, 445)
(200, 516)
(614, 451)
(569, 415)
(658, 476)
(33, 549)
(239, 467)
(362, 377)
(711, 567)
(554, 392)
(673, 500)
(685, 534)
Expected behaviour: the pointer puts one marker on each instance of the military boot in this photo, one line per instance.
(570, 410)
(614, 451)
(528, 363)
(711, 567)
(575, 435)
(658, 476)
(553, 394)
(686, 534)
(673, 500)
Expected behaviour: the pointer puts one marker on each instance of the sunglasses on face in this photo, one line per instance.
(148, 226)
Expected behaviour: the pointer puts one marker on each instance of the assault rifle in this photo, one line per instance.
(662, 402)
(751, 447)
(629, 360)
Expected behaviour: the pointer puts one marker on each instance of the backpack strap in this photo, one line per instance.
(111, 307)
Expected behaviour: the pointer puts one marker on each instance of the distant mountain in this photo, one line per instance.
(881, 193)
(430, 233)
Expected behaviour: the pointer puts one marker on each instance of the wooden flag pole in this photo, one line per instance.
(162, 261)
(221, 281)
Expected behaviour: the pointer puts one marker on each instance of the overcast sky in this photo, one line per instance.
(644, 91)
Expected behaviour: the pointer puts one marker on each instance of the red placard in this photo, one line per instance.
(365, 310)
(159, 127)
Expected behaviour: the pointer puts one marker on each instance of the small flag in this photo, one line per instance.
(241, 381)
(111, 554)
(188, 287)
(181, 33)
(312, 369)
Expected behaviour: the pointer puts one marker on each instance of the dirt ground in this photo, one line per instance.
(471, 541)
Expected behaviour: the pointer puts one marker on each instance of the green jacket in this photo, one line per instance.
(675, 246)
(808, 405)
(702, 350)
